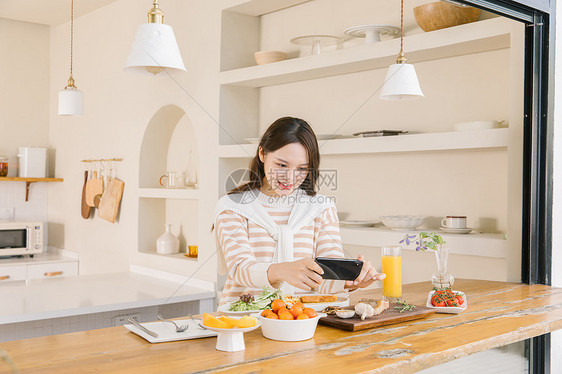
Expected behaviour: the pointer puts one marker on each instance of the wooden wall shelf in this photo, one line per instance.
(28, 182)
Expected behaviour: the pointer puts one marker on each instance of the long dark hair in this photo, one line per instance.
(285, 131)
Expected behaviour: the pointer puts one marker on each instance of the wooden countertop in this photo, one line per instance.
(498, 313)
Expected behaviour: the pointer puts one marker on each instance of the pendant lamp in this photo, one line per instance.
(401, 81)
(155, 47)
(70, 99)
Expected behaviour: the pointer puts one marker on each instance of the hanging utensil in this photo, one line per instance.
(85, 209)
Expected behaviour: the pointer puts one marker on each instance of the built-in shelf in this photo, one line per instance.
(169, 193)
(174, 256)
(473, 244)
(482, 36)
(258, 7)
(440, 141)
(28, 182)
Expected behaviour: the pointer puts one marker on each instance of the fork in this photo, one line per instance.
(178, 328)
(197, 322)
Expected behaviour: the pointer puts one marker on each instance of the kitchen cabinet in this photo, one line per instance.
(44, 265)
(52, 270)
(335, 92)
(13, 273)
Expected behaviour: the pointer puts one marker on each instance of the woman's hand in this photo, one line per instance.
(304, 274)
(367, 276)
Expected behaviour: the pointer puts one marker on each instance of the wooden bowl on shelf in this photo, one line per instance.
(267, 57)
(440, 15)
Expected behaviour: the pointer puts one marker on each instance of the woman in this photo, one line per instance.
(270, 229)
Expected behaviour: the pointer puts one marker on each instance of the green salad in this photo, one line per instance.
(257, 302)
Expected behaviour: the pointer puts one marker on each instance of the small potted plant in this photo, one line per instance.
(432, 241)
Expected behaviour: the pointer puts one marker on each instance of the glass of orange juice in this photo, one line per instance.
(392, 267)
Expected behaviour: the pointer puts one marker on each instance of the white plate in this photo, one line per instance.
(224, 309)
(247, 329)
(167, 332)
(455, 231)
(341, 301)
(232, 340)
(311, 39)
(447, 309)
(358, 223)
(372, 33)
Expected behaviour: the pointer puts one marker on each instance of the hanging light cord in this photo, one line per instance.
(71, 79)
(71, 34)
(401, 58)
(401, 27)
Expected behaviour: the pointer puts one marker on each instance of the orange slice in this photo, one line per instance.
(242, 323)
(210, 321)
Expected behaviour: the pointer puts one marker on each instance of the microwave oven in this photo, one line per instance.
(21, 238)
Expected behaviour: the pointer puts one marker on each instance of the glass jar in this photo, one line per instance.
(3, 166)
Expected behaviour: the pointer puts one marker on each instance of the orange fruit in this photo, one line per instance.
(266, 312)
(302, 316)
(296, 310)
(281, 310)
(242, 323)
(277, 304)
(271, 316)
(286, 315)
(299, 304)
(209, 320)
(311, 313)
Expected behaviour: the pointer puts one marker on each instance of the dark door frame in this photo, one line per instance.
(536, 246)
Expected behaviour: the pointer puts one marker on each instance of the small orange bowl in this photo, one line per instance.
(267, 57)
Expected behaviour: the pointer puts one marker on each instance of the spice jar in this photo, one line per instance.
(3, 166)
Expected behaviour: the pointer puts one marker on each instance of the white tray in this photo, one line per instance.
(167, 332)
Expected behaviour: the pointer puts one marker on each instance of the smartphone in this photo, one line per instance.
(339, 268)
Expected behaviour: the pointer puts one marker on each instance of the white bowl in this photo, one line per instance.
(289, 331)
(402, 222)
(476, 125)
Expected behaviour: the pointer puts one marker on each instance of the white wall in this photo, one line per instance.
(118, 106)
(24, 97)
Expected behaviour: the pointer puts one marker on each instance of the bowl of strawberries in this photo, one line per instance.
(445, 300)
(289, 323)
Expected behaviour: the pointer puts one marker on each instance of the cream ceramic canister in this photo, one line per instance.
(168, 243)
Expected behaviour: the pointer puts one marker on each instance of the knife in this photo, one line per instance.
(151, 333)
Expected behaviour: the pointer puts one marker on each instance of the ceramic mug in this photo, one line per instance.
(454, 222)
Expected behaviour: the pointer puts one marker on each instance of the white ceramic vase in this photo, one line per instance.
(168, 243)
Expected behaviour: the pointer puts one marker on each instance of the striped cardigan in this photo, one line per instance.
(249, 249)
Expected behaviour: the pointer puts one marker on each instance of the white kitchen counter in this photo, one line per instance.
(52, 255)
(33, 300)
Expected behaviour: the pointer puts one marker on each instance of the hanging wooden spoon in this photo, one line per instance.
(85, 209)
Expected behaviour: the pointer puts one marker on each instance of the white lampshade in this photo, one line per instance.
(154, 49)
(70, 102)
(401, 83)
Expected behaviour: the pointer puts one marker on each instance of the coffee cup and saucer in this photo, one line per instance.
(454, 225)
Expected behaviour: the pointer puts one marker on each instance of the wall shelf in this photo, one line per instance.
(441, 141)
(28, 182)
(169, 193)
(258, 7)
(482, 36)
(474, 244)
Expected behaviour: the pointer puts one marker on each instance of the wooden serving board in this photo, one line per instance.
(387, 317)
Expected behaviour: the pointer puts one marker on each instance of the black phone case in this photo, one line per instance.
(339, 268)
